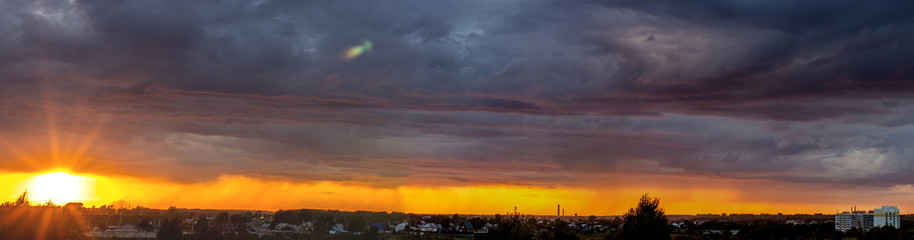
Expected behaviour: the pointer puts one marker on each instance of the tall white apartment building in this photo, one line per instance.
(866, 220)
(887, 216)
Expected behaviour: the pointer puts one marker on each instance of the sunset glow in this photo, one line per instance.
(58, 187)
(471, 106)
(250, 193)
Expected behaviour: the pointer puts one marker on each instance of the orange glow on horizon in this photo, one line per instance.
(74, 148)
(240, 192)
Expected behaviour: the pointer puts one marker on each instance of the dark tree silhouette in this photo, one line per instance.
(510, 228)
(477, 223)
(457, 219)
(355, 222)
(646, 221)
(322, 225)
(170, 229)
(563, 232)
(221, 218)
(305, 215)
(203, 230)
(883, 233)
(23, 199)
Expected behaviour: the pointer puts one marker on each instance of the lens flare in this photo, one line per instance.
(356, 51)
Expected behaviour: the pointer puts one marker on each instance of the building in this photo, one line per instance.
(887, 216)
(124, 231)
(73, 206)
(866, 220)
(853, 219)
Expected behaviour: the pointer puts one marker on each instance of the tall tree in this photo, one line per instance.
(170, 229)
(322, 225)
(305, 215)
(23, 199)
(221, 218)
(646, 221)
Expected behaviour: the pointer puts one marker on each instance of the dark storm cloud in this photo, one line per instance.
(509, 90)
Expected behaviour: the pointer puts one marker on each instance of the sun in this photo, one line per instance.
(58, 187)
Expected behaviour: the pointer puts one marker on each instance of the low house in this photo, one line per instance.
(258, 229)
(73, 206)
(337, 229)
(291, 228)
(124, 231)
(429, 227)
(400, 227)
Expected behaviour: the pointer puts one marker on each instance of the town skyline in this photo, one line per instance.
(645, 220)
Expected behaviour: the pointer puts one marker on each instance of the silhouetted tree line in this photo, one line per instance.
(21, 219)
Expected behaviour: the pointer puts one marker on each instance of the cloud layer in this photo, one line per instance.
(539, 93)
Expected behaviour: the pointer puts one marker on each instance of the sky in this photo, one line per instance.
(471, 106)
